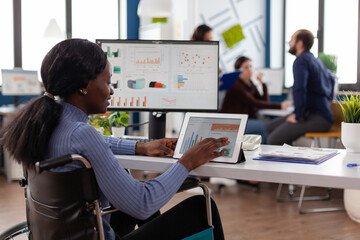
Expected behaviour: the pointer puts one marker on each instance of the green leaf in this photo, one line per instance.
(107, 133)
(350, 107)
(119, 119)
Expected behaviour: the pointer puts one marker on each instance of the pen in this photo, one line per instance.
(353, 165)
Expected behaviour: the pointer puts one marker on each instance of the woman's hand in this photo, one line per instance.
(260, 77)
(157, 148)
(285, 105)
(203, 152)
(291, 118)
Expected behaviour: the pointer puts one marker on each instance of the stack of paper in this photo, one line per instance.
(297, 154)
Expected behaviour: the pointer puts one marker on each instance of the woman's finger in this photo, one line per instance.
(206, 140)
(218, 154)
(216, 143)
(165, 150)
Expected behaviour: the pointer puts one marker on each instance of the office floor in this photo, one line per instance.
(246, 215)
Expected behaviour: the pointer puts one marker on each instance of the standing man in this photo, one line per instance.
(312, 90)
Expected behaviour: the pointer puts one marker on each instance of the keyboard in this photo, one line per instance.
(137, 138)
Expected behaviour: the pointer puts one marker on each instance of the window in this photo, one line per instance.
(302, 14)
(7, 35)
(92, 19)
(341, 37)
(43, 25)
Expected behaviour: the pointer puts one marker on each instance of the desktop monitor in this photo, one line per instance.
(274, 78)
(18, 82)
(163, 75)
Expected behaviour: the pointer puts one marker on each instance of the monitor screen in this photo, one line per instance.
(17, 82)
(274, 78)
(162, 75)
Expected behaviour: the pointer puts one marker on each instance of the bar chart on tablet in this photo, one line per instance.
(200, 128)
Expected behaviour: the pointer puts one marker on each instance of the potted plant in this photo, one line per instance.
(118, 121)
(330, 62)
(100, 123)
(350, 127)
(350, 132)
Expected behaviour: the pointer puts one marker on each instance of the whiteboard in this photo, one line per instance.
(20, 82)
(274, 79)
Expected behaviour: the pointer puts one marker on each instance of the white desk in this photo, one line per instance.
(7, 110)
(331, 173)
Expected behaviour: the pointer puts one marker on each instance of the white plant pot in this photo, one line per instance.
(118, 132)
(100, 130)
(352, 204)
(350, 133)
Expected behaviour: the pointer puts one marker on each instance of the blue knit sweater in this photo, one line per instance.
(138, 199)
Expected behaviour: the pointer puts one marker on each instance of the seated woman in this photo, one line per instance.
(77, 72)
(243, 97)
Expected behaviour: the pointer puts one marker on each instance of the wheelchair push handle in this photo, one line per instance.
(60, 161)
(53, 163)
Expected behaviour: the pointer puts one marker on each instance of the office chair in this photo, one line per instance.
(65, 205)
(334, 134)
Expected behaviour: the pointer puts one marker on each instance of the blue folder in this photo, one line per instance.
(293, 160)
(228, 80)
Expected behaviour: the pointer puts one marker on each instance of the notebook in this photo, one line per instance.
(307, 155)
(198, 126)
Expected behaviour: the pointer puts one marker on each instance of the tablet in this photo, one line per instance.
(198, 126)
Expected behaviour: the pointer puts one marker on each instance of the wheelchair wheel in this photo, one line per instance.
(17, 232)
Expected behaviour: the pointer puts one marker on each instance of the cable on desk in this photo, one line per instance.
(137, 124)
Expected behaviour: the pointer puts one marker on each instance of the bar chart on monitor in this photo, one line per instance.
(132, 101)
(146, 59)
(191, 82)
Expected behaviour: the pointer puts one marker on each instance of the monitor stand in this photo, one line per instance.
(157, 125)
(16, 101)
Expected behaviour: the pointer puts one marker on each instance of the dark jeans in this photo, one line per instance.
(280, 131)
(183, 220)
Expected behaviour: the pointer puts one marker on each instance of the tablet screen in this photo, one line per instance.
(199, 128)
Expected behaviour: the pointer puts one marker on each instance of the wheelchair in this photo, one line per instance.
(66, 205)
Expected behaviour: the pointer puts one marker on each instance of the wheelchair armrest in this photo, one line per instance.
(190, 182)
(52, 163)
(60, 161)
(108, 210)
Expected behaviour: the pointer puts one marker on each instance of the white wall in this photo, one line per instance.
(222, 15)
